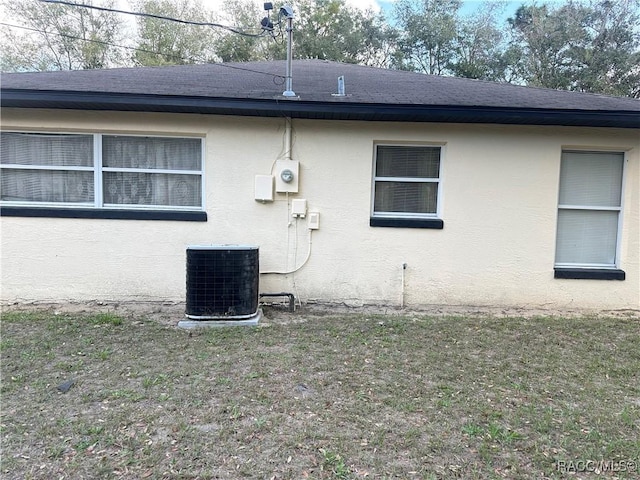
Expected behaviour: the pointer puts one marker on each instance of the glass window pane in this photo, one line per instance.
(152, 153)
(46, 149)
(418, 162)
(406, 197)
(587, 237)
(592, 179)
(47, 186)
(122, 188)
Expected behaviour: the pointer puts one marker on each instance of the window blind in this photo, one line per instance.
(589, 204)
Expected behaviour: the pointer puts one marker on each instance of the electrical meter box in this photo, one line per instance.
(287, 174)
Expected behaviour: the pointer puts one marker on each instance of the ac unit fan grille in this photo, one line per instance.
(222, 282)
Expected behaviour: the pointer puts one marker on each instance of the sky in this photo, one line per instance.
(386, 6)
(469, 6)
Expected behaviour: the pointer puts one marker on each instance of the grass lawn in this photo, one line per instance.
(320, 397)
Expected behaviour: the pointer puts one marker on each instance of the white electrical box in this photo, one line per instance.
(264, 188)
(287, 173)
(314, 221)
(298, 208)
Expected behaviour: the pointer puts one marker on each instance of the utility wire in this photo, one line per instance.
(136, 49)
(73, 37)
(151, 15)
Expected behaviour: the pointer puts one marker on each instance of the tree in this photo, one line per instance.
(479, 49)
(548, 43)
(163, 42)
(592, 47)
(379, 43)
(612, 56)
(244, 16)
(60, 37)
(333, 30)
(324, 29)
(429, 29)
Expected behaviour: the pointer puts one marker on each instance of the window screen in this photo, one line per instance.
(406, 181)
(152, 171)
(127, 171)
(47, 168)
(589, 209)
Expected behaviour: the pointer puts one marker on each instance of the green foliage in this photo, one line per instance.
(60, 37)
(323, 29)
(428, 30)
(335, 464)
(162, 42)
(480, 49)
(472, 429)
(231, 47)
(332, 30)
(588, 47)
(584, 46)
(106, 319)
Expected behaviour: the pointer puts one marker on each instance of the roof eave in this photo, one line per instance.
(278, 107)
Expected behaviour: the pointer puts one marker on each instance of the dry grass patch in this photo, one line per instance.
(334, 397)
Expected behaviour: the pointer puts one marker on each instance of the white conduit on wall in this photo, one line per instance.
(288, 144)
(288, 138)
(286, 272)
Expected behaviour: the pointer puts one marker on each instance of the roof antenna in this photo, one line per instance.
(287, 12)
(266, 23)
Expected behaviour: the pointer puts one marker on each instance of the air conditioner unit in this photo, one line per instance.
(222, 282)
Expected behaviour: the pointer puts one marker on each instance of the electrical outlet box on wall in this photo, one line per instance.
(264, 188)
(287, 174)
(314, 221)
(299, 207)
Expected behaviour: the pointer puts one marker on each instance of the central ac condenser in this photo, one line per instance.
(222, 282)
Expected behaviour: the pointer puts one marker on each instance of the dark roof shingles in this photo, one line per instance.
(313, 81)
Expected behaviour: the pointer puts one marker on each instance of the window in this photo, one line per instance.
(48, 169)
(589, 214)
(406, 186)
(101, 172)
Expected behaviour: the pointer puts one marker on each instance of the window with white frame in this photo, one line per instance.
(589, 209)
(101, 171)
(406, 181)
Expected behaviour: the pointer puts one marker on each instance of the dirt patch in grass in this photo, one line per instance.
(325, 396)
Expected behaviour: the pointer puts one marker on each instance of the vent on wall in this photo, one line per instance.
(222, 282)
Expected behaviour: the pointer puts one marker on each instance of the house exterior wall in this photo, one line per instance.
(498, 203)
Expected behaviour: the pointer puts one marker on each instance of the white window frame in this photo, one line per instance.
(619, 210)
(98, 169)
(437, 180)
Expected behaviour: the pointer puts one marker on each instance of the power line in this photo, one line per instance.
(73, 37)
(151, 15)
(136, 49)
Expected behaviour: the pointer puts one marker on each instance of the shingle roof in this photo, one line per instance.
(255, 88)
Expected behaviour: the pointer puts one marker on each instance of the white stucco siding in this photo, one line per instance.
(68, 259)
(498, 203)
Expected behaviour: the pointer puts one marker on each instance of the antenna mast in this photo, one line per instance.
(287, 12)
